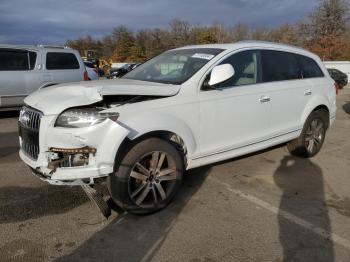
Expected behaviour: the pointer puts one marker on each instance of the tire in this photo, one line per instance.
(311, 139)
(147, 178)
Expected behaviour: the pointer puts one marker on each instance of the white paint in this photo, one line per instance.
(220, 74)
(214, 124)
(290, 217)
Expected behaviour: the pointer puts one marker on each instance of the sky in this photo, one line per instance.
(55, 21)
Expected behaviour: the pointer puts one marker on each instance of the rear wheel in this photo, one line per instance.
(311, 139)
(148, 177)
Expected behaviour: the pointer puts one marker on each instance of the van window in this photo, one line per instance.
(309, 67)
(57, 60)
(279, 66)
(32, 59)
(13, 60)
(245, 64)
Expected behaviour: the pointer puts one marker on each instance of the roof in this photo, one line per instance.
(251, 43)
(36, 47)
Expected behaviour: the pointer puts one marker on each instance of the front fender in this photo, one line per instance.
(147, 122)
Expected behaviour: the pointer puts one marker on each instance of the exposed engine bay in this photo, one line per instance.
(111, 101)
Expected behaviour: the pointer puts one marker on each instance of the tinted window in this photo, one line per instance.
(32, 60)
(245, 65)
(309, 67)
(61, 61)
(278, 66)
(13, 60)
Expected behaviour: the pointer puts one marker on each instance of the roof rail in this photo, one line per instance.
(54, 46)
(269, 42)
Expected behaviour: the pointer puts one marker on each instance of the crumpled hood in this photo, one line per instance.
(55, 99)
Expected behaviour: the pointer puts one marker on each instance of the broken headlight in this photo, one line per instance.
(83, 117)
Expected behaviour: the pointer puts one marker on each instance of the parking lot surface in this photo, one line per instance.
(267, 206)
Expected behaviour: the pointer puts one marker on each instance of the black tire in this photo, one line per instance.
(138, 176)
(302, 146)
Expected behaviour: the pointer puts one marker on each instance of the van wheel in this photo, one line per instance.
(311, 139)
(148, 177)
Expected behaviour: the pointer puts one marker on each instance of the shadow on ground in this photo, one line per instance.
(9, 147)
(9, 114)
(346, 107)
(18, 204)
(303, 196)
(133, 238)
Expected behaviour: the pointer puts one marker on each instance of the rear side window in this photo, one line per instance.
(309, 67)
(57, 60)
(245, 64)
(13, 60)
(32, 59)
(279, 66)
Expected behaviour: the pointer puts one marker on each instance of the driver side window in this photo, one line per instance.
(246, 66)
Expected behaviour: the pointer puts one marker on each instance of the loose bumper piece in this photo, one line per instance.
(83, 150)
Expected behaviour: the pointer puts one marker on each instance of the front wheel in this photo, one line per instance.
(311, 139)
(148, 177)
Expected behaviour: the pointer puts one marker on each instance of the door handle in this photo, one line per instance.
(307, 92)
(264, 99)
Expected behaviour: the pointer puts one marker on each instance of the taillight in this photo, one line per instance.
(336, 87)
(86, 77)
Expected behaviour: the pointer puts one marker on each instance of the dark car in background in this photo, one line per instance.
(338, 76)
(121, 71)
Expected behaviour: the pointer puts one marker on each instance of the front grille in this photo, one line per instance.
(30, 118)
(28, 125)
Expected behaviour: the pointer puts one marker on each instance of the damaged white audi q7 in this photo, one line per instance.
(185, 108)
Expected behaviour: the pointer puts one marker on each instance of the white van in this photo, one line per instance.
(185, 108)
(25, 69)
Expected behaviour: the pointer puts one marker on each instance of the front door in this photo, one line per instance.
(236, 113)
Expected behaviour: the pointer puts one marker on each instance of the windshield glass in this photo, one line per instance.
(173, 67)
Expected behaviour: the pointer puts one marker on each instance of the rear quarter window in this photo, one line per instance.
(279, 66)
(309, 67)
(14, 60)
(32, 59)
(61, 61)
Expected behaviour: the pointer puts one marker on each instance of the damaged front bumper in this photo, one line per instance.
(80, 175)
(75, 156)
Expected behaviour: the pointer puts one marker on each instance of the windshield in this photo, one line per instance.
(173, 67)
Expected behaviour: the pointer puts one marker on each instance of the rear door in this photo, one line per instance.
(289, 92)
(14, 72)
(63, 67)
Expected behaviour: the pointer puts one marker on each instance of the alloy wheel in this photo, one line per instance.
(152, 179)
(314, 136)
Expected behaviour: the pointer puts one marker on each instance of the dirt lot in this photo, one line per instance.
(268, 206)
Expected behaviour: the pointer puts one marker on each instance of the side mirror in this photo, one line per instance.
(221, 73)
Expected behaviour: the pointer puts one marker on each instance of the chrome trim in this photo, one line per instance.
(234, 148)
(29, 121)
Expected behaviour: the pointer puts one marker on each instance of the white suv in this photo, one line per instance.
(25, 69)
(185, 108)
